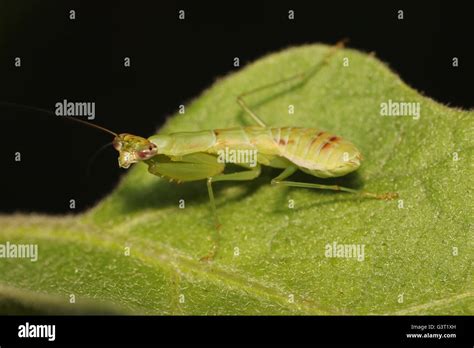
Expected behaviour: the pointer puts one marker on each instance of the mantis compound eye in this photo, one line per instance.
(148, 153)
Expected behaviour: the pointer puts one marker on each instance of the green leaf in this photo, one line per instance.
(417, 258)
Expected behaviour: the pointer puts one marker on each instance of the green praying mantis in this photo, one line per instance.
(191, 156)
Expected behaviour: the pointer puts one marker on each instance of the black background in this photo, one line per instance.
(172, 62)
(350, 331)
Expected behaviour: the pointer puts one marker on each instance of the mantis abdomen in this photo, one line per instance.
(316, 152)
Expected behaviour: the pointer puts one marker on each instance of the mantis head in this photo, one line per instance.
(133, 149)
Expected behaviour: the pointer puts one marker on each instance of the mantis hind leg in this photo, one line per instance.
(300, 78)
(239, 176)
(279, 180)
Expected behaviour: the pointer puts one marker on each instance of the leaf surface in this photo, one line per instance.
(272, 258)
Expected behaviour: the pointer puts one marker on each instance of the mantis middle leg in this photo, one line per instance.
(239, 176)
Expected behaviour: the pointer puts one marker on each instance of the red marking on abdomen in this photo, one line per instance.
(326, 145)
(283, 142)
(334, 138)
(316, 138)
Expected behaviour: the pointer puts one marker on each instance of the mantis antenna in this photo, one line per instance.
(34, 108)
